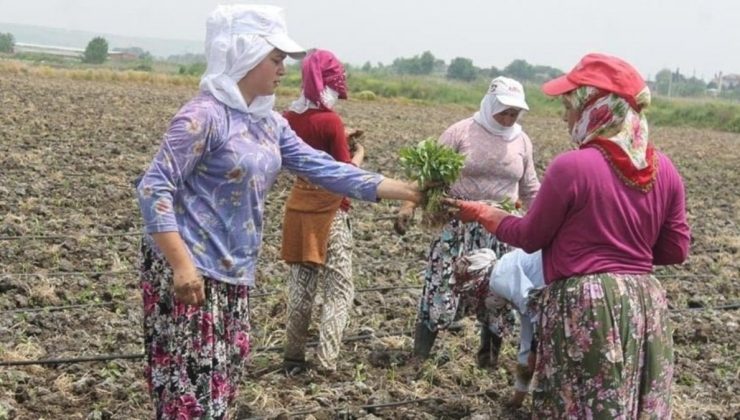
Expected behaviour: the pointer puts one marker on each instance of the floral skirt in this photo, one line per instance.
(439, 303)
(195, 355)
(605, 349)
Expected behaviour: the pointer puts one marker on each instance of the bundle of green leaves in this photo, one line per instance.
(508, 206)
(435, 167)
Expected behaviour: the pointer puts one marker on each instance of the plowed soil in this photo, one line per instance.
(69, 151)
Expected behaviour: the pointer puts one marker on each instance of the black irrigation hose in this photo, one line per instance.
(361, 337)
(727, 307)
(89, 305)
(67, 236)
(660, 275)
(72, 360)
(55, 308)
(133, 356)
(373, 407)
(251, 296)
(70, 273)
(80, 236)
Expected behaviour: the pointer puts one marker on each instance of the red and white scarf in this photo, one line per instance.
(608, 123)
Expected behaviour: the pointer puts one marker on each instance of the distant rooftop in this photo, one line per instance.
(25, 45)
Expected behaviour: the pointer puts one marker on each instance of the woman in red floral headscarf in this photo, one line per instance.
(317, 237)
(604, 216)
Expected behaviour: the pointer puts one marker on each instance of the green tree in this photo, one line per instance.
(663, 80)
(426, 63)
(195, 69)
(7, 42)
(493, 72)
(423, 64)
(96, 51)
(462, 69)
(520, 70)
(544, 73)
(440, 67)
(146, 56)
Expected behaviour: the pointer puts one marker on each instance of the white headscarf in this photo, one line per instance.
(503, 93)
(329, 97)
(238, 38)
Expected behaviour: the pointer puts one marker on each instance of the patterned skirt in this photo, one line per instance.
(195, 355)
(332, 284)
(439, 303)
(605, 349)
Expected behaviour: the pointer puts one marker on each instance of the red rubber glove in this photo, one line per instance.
(473, 211)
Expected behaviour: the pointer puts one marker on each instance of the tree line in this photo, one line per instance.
(96, 51)
(462, 68)
(667, 82)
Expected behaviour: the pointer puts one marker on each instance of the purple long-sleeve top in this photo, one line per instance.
(211, 175)
(587, 221)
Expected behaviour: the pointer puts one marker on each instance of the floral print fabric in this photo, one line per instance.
(440, 300)
(605, 349)
(210, 178)
(607, 116)
(195, 355)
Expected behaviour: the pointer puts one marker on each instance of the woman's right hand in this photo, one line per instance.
(393, 189)
(189, 286)
(187, 283)
(404, 217)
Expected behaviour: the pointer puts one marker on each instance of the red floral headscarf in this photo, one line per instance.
(609, 123)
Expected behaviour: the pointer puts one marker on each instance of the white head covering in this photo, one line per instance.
(329, 98)
(238, 38)
(503, 93)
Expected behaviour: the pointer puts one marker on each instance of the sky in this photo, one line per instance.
(699, 38)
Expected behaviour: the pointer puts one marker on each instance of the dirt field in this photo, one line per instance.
(69, 151)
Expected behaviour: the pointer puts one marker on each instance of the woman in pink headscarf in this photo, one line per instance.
(317, 235)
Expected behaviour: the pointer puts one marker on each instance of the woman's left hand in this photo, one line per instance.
(352, 133)
(472, 211)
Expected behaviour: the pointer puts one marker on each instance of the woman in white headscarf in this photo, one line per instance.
(202, 200)
(498, 166)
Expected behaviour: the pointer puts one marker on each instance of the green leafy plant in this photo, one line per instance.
(507, 205)
(435, 167)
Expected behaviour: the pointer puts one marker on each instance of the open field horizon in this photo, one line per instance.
(69, 150)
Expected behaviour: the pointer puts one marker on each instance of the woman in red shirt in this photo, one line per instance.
(317, 235)
(605, 215)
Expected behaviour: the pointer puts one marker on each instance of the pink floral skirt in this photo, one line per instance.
(605, 349)
(195, 355)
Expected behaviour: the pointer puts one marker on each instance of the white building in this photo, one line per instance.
(21, 47)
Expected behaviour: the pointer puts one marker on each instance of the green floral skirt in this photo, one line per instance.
(605, 349)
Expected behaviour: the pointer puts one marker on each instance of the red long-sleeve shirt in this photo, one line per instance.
(323, 130)
(586, 220)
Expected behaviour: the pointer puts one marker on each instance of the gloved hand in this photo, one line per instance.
(473, 211)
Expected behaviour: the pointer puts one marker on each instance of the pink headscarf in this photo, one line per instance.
(322, 69)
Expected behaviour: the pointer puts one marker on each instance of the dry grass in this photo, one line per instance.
(104, 75)
(64, 385)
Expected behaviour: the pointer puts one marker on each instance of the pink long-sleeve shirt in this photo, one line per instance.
(587, 221)
(512, 173)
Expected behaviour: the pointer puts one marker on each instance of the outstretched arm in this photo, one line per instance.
(393, 189)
